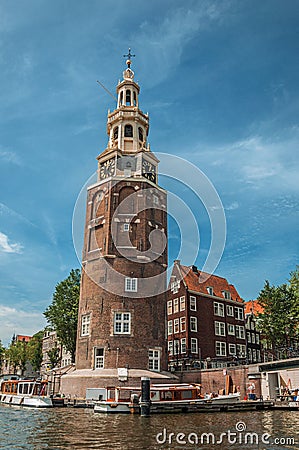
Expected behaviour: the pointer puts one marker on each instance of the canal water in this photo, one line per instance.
(62, 428)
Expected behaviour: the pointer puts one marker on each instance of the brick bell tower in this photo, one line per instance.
(122, 302)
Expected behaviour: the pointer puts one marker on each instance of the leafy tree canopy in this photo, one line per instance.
(279, 322)
(34, 350)
(2, 354)
(62, 314)
(17, 355)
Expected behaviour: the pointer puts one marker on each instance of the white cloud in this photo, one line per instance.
(19, 322)
(232, 206)
(9, 157)
(7, 247)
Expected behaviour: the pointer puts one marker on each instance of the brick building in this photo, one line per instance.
(50, 342)
(253, 336)
(205, 320)
(122, 301)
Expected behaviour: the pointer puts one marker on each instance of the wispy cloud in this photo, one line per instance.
(9, 156)
(7, 247)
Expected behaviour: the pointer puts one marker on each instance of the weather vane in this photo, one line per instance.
(129, 56)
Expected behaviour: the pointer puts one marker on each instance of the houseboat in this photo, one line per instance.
(25, 393)
(172, 397)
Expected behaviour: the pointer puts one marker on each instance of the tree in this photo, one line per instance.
(17, 355)
(54, 356)
(2, 355)
(62, 314)
(34, 350)
(279, 322)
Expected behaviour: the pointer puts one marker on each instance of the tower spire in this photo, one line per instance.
(129, 56)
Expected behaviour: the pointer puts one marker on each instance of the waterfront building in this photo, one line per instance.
(253, 336)
(50, 344)
(205, 320)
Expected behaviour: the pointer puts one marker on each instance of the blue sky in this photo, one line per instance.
(220, 81)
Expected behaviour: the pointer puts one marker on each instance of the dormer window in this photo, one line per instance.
(210, 290)
(128, 97)
(226, 295)
(128, 131)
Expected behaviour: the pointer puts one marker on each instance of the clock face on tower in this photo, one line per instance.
(107, 168)
(149, 170)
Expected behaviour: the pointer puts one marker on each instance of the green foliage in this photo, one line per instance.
(62, 314)
(2, 354)
(17, 355)
(54, 356)
(34, 350)
(279, 323)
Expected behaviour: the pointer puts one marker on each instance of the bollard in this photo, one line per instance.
(145, 401)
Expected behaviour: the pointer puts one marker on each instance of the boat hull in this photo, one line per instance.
(24, 400)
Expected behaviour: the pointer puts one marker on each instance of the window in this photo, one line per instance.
(115, 133)
(254, 355)
(193, 323)
(230, 310)
(169, 327)
(176, 326)
(240, 332)
(220, 348)
(226, 295)
(128, 97)
(98, 358)
(192, 303)
(230, 329)
(128, 131)
(154, 360)
(219, 309)
(249, 337)
(155, 200)
(241, 351)
(210, 290)
(253, 338)
(220, 328)
(257, 338)
(176, 347)
(170, 347)
(194, 346)
(122, 323)
(85, 325)
(169, 307)
(126, 227)
(175, 305)
(258, 355)
(183, 323)
(232, 349)
(239, 313)
(131, 284)
(174, 287)
(183, 345)
(252, 325)
(182, 303)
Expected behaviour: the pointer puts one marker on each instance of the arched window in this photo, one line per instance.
(121, 98)
(115, 133)
(140, 134)
(134, 97)
(128, 97)
(128, 131)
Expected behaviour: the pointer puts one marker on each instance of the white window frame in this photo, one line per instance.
(122, 322)
(220, 328)
(175, 305)
(85, 324)
(176, 326)
(248, 337)
(131, 284)
(232, 349)
(169, 307)
(170, 347)
(210, 290)
(257, 338)
(220, 348)
(230, 329)
(194, 345)
(240, 331)
(230, 310)
(183, 345)
(193, 324)
(99, 360)
(226, 295)
(126, 227)
(239, 313)
(253, 338)
(192, 303)
(154, 359)
(182, 303)
(169, 327)
(241, 350)
(183, 323)
(218, 309)
(174, 287)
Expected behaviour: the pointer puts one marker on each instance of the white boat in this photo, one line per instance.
(25, 393)
(170, 397)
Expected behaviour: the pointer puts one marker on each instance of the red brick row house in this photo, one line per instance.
(205, 320)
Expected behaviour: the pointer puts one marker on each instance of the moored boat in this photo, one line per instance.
(25, 393)
(171, 397)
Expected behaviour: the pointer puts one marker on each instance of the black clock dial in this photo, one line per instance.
(107, 168)
(149, 170)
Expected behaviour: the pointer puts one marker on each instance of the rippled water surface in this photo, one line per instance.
(61, 428)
